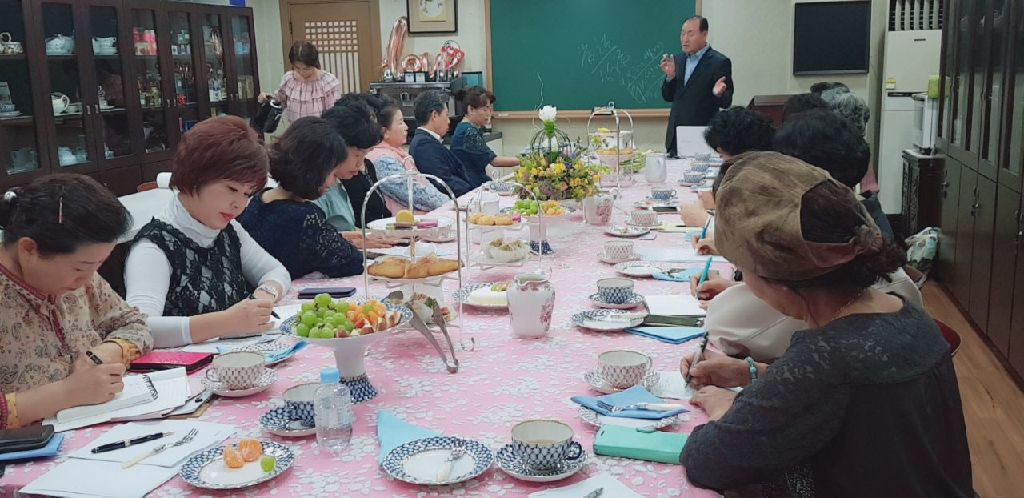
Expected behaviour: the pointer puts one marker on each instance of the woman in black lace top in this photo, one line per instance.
(306, 163)
(863, 403)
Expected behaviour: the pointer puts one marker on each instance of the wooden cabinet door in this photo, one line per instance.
(117, 108)
(981, 256)
(243, 84)
(1005, 258)
(1013, 125)
(950, 214)
(961, 284)
(155, 130)
(1016, 339)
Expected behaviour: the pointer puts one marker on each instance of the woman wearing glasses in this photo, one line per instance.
(306, 90)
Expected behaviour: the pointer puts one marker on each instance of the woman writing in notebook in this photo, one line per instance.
(65, 336)
(193, 270)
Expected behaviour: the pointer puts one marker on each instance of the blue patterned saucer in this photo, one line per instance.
(418, 462)
(207, 470)
(509, 461)
(278, 421)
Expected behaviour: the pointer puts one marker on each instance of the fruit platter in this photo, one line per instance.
(348, 327)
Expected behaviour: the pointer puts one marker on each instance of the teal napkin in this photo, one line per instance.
(279, 356)
(670, 335)
(50, 450)
(633, 395)
(393, 432)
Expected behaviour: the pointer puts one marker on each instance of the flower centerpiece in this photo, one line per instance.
(559, 175)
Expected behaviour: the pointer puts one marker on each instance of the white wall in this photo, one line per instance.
(470, 36)
(758, 36)
(267, 22)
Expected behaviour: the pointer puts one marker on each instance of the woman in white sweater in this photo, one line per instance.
(193, 269)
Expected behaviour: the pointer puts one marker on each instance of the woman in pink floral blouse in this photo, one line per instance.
(66, 337)
(306, 90)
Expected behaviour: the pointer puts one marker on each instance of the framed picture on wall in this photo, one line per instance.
(432, 16)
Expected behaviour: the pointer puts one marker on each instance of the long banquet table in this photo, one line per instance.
(503, 381)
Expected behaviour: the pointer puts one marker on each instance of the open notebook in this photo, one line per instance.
(155, 392)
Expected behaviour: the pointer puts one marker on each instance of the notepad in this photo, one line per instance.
(171, 387)
(137, 390)
(674, 305)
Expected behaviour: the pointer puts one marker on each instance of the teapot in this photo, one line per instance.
(60, 44)
(60, 102)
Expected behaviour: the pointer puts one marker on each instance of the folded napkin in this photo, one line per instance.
(638, 444)
(272, 357)
(50, 450)
(678, 276)
(611, 486)
(633, 395)
(393, 432)
(670, 335)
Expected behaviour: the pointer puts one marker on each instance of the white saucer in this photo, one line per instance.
(597, 382)
(627, 231)
(633, 301)
(11, 114)
(266, 380)
(638, 268)
(513, 466)
(613, 261)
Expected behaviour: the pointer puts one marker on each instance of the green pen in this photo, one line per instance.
(704, 274)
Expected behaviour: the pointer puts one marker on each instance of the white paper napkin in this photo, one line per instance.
(210, 434)
(79, 478)
(612, 488)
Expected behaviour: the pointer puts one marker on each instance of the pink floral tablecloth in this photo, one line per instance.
(505, 380)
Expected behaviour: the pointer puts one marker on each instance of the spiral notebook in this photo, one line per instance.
(134, 393)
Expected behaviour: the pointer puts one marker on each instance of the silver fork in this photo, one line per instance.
(159, 449)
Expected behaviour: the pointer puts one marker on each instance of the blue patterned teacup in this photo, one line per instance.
(544, 444)
(615, 290)
(663, 194)
(299, 401)
(692, 177)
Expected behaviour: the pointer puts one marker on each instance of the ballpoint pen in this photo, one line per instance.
(697, 356)
(103, 448)
(704, 274)
(272, 312)
(92, 356)
(704, 231)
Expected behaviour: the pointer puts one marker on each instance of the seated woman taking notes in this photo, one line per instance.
(193, 269)
(306, 162)
(66, 337)
(864, 402)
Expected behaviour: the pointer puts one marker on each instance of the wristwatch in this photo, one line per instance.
(269, 289)
(753, 368)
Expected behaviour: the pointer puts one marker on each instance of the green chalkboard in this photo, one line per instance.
(575, 54)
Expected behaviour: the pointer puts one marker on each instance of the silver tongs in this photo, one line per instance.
(437, 319)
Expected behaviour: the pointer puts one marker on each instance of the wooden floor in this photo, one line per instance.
(993, 405)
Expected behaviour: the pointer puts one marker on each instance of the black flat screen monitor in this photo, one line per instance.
(831, 37)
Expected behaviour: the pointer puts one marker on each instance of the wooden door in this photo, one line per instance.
(1013, 126)
(1006, 256)
(961, 284)
(346, 33)
(950, 200)
(981, 256)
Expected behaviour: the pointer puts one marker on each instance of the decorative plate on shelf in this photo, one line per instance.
(418, 462)
(207, 469)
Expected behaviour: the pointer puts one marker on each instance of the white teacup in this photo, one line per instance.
(619, 249)
(615, 290)
(624, 369)
(643, 217)
(544, 444)
(237, 370)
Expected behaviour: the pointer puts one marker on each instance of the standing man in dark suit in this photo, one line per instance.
(698, 82)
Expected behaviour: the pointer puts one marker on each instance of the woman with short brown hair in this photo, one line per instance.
(306, 90)
(193, 268)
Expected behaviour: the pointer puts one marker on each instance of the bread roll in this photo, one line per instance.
(388, 267)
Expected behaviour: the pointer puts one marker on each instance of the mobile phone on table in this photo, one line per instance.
(334, 292)
(665, 209)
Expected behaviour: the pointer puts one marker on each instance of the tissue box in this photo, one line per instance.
(628, 442)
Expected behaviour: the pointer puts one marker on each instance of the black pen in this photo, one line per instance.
(272, 312)
(92, 356)
(103, 448)
(697, 357)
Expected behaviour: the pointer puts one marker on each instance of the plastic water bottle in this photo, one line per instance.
(332, 411)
